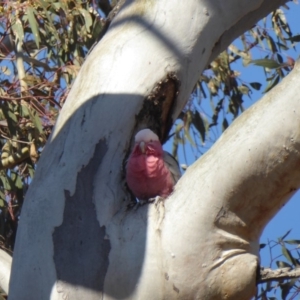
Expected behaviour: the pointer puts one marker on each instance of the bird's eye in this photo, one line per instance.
(151, 141)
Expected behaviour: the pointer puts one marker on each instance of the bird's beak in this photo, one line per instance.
(142, 147)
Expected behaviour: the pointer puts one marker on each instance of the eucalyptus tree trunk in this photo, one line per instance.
(77, 238)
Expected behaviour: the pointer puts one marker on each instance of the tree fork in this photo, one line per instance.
(202, 242)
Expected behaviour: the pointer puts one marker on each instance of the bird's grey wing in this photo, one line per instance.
(173, 165)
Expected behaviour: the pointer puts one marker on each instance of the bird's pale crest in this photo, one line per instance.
(145, 135)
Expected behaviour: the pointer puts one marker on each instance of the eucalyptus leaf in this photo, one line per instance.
(266, 63)
(34, 25)
(87, 18)
(256, 85)
(17, 28)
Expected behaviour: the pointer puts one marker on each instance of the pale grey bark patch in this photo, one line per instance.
(80, 246)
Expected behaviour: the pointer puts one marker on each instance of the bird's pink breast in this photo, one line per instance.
(147, 175)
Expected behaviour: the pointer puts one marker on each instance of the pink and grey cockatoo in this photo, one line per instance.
(151, 171)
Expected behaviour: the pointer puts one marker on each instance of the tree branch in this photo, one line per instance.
(6, 44)
(20, 65)
(243, 25)
(113, 12)
(267, 274)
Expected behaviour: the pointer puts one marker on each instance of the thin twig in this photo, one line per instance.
(13, 140)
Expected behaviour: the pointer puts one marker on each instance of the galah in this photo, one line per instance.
(151, 171)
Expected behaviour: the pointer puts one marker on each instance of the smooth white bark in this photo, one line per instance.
(77, 240)
(5, 266)
(229, 196)
(203, 242)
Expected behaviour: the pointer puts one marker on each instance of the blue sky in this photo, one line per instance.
(288, 217)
